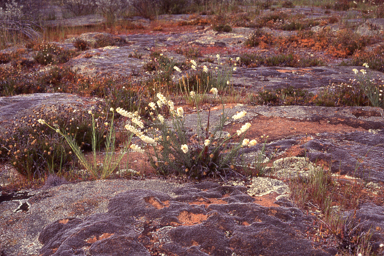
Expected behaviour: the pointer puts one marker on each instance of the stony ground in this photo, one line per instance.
(246, 217)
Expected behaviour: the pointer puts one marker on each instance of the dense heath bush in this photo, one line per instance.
(80, 7)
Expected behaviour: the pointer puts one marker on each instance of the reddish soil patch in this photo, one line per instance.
(207, 202)
(278, 128)
(156, 203)
(267, 200)
(189, 219)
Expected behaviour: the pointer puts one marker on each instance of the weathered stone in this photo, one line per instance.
(20, 230)
(204, 219)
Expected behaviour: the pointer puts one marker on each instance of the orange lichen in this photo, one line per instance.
(156, 202)
(64, 221)
(188, 218)
(93, 239)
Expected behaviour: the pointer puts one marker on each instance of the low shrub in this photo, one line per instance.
(189, 52)
(80, 44)
(49, 53)
(108, 40)
(341, 95)
(259, 38)
(375, 59)
(287, 4)
(270, 19)
(222, 28)
(80, 7)
(284, 60)
(36, 150)
(5, 58)
(284, 96)
(342, 5)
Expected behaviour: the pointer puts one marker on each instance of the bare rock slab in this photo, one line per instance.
(202, 219)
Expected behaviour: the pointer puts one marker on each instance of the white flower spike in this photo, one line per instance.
(239, 115)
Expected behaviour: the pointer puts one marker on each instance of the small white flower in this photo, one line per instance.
(363, 71)
(239, 115)
(136, 148)
(205, 69)
(124, 113)
(132, 129)
(214, 91)
(194, 63)
(161, 118)
(147, 140)
(237, 58)
(184, 148)
(355, 71)
(193, 67)
(58, 130)
(171, 105)
(228, 82)
(41, 121)
(245, 142)
(159, 103)
(252, 143)
(365, 65)
(243, 129)
(152, 105)
(162, 98)
(177, 69)
(207, 142)
(381, 245)
(111, 109)
(218, 57)
(138, 122)
(90, 112)
(192, 94)
(235, 68)
(180, 111)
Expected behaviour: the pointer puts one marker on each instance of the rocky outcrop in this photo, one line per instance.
(154, 217)
(202, 219)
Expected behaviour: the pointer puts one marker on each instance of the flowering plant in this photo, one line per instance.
(371, 88)
(110, 163)
(199, 154)
(197, 82)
